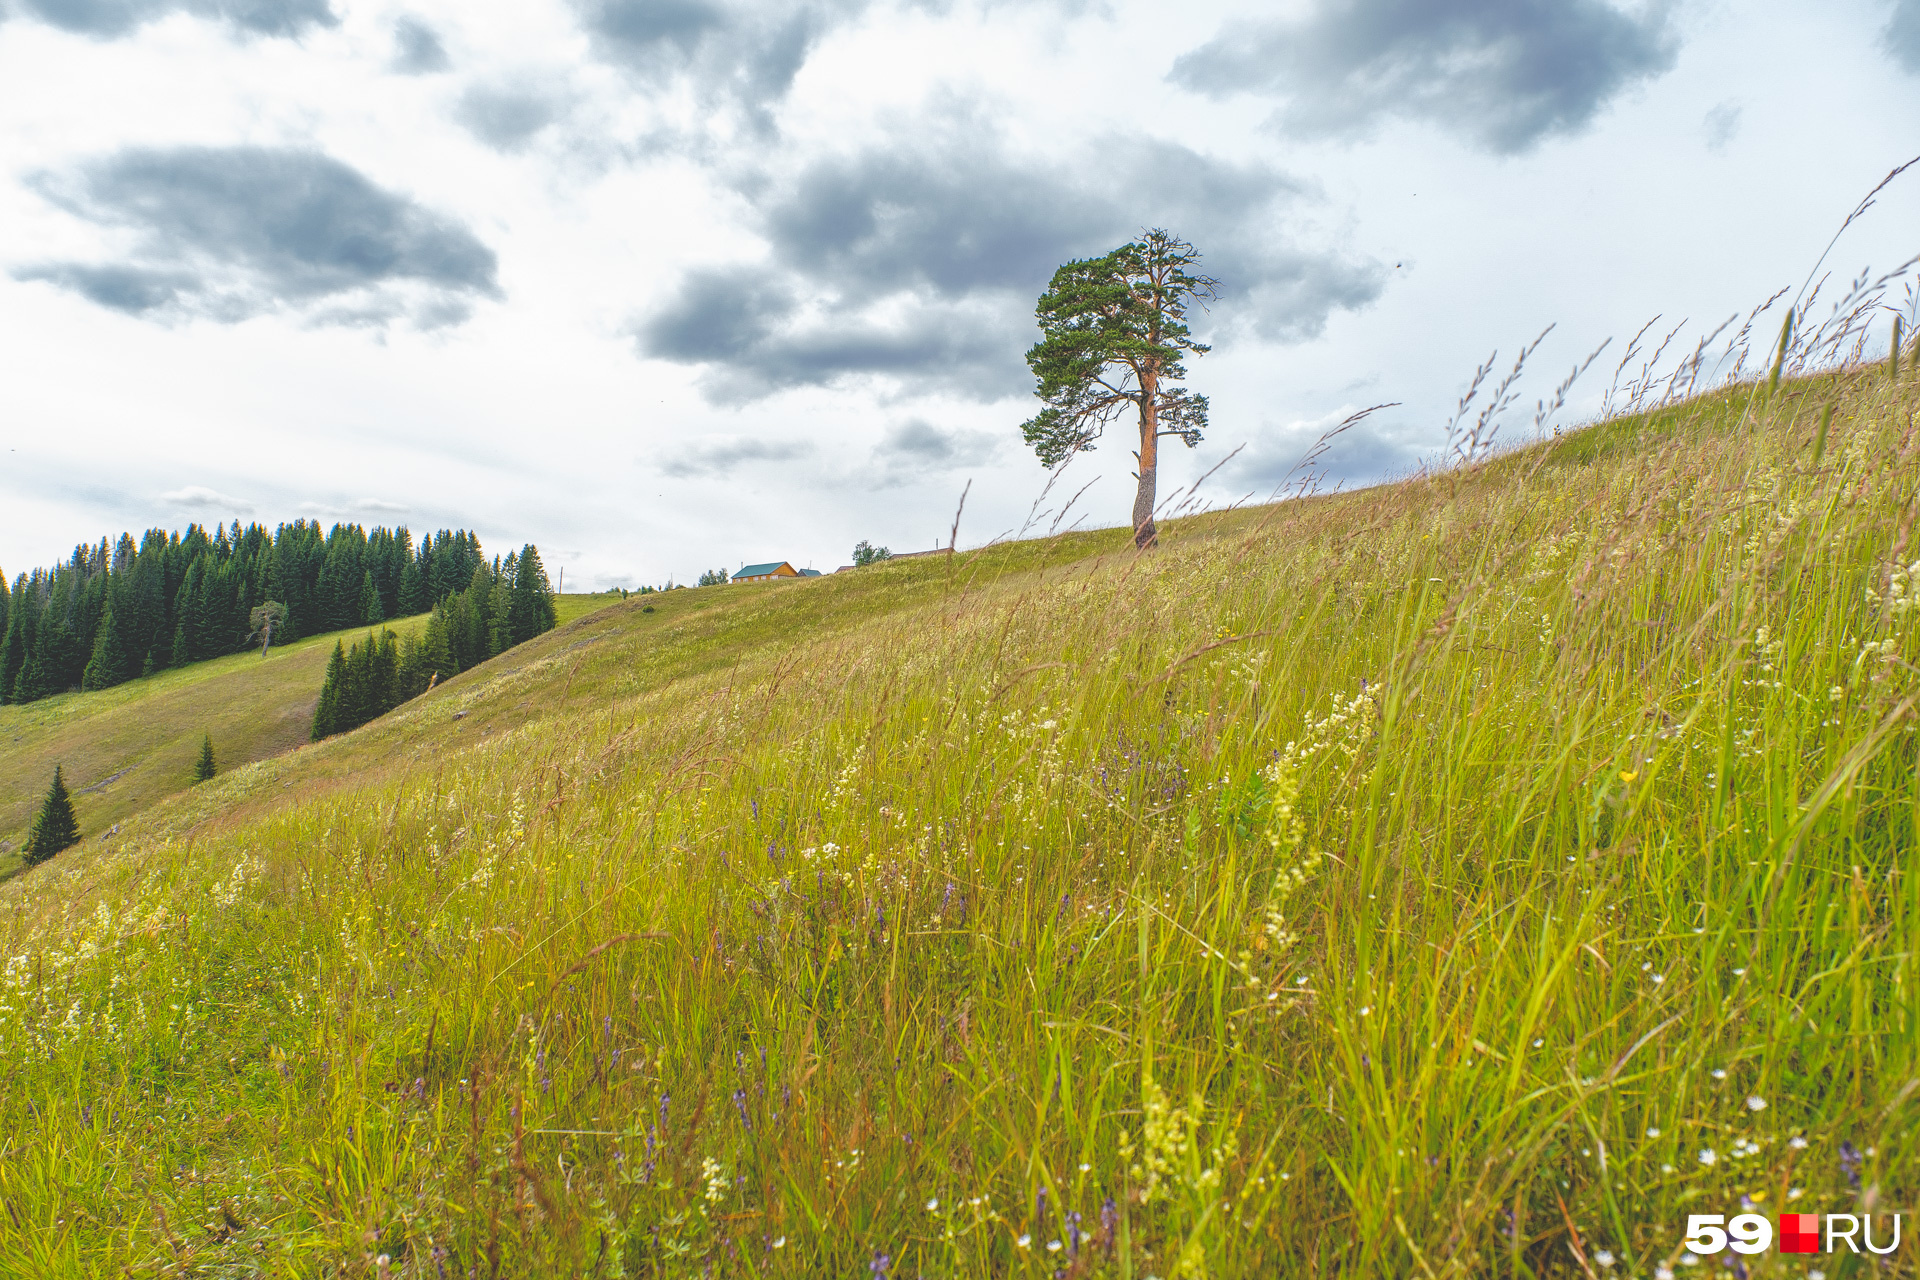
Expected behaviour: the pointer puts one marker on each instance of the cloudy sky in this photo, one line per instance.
(665, 285)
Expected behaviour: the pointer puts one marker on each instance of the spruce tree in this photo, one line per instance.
(500, 636)
(16, 646)
(34, 682)
(204, 768)
(371, 611)
(438, 646)
(326, 715)
(109, 664)
(533, 606)
(413, 592)
(54, 827)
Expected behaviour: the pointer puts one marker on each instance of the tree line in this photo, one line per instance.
(504, 604)
(115, 611)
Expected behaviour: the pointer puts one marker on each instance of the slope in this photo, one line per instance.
(127, 747)
(1475, 875)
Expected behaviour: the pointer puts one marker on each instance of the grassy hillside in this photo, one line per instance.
(1472, 876)
(127, 747)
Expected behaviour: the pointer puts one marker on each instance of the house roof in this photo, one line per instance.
(761, 570)
(809, 573)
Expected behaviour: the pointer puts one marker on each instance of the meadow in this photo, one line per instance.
(1471, 876)
(128, 747)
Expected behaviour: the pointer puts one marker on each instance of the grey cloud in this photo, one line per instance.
(134, 290)
(1503, 73)
(720, 457)
(378, 506)
(107, 19)
(506, 116)
(920, 440)
(1721, 124)
(229, 233)
(1902, 35)
(729, 50)
(748, 327)
(1376, 449)
(417, 49)
(916, 447)
(921, 259)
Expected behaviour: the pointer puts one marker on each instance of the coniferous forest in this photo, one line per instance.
(116, 611)
(503, 604)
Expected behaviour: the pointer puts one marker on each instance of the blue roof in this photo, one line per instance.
(809, 573)
(760, 570)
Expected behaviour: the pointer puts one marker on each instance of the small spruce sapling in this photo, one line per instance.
(204, 768)
(54, 827)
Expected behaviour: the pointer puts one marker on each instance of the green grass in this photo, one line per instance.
(128, 747)
(1417, 881)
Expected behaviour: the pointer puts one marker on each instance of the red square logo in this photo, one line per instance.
(1799, 1233)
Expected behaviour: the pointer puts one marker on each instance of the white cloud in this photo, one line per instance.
(197, 497)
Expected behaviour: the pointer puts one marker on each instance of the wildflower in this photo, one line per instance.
(1603, 1256)
(1794, 1193)
(1053, 1246)
(1756, 1103)
(715, 1178)
(1663, 1272)
(933, 1204)
(1850, 1163)
(780, 1243)
(1024, 1240)
(1629, 775)
(1653, 1132)
(1797, 1142)
(1718, 1073)
(1707, 1156)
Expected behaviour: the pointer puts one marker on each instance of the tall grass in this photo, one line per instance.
(1471, 876)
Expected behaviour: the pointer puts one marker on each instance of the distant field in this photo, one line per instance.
(578, 605)
(126, 747)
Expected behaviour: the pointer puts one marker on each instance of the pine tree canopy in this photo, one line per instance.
(54, 827)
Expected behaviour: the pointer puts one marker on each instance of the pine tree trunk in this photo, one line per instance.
(1144, 534)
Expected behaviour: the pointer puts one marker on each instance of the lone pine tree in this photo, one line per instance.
(204, 768)
(54, 827)
(1113, 337)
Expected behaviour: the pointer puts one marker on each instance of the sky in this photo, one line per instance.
(672, 285)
